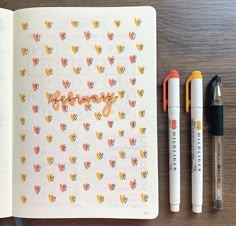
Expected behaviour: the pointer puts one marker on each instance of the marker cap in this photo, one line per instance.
(173, 90)
(196, 90)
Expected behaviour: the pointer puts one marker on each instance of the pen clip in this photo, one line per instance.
(172, 74)
(194, 75)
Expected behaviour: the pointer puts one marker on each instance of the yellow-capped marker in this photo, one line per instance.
(196, 103)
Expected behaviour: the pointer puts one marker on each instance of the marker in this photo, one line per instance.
(174, 136)
(216, 119)
(197, 139)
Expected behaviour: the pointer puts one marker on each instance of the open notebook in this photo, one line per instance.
(78, 113)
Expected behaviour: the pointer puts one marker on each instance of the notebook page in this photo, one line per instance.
(6, 41)
(85, 100)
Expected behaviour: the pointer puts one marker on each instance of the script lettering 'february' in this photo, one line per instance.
(59, 101)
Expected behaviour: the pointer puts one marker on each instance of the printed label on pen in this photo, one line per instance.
(173, 124)
(173, 145)
(196, 145)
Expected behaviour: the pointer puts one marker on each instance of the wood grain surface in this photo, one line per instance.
(192, 35)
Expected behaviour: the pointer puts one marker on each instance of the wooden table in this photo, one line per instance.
(192, 35)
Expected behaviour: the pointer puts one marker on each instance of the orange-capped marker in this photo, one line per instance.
(172, 79)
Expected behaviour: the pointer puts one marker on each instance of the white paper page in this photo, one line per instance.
(94, 156)
(6, 62)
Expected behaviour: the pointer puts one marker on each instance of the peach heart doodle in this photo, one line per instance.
(86, 146)
(132, 35)
(110, 36)
(86, 126)
(132, 81)
(110, 123)
(111, 186)
(132, 124)
(89, 61)
(86, 186)
(111, 142)
(37, 129)
(63, 126)
(66, 84)
(132, 59)
(87, 107)
(132, 103)
(63, 147)
(36, 37)
(35, 86)
(36, 149)
(132, 141)
(63, 187)
(37, 168)
(64, 62)
(112, 82)
(62, 35)
(134, 161)
(111, 59)
(37, 189)
(64, 108)
(35, 61)
(112, 163)
(61, 167)
(87, 164)
(133, 184)
(90, 84)
(87, 35)
(35, 108)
